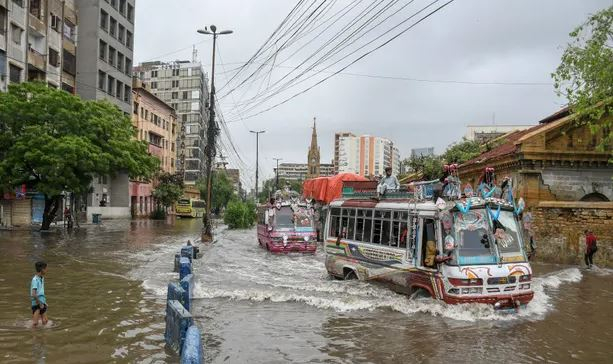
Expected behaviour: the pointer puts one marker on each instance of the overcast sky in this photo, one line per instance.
(499, 41)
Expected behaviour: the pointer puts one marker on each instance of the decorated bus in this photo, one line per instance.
(455, 247)
(286, 225)
(190, 207)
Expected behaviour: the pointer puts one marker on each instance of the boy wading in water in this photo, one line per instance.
(37, 292)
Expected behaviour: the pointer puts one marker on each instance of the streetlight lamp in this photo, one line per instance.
(207, 232)
(257, 151)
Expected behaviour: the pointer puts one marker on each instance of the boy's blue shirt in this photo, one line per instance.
(38, 283)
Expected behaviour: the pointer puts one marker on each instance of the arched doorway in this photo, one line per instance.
(594, 197)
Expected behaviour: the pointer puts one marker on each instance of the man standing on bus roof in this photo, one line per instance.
(388, 182)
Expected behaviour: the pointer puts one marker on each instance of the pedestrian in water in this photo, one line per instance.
(37, 292)
(590, 248)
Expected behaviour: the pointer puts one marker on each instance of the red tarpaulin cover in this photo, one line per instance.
(327, 189)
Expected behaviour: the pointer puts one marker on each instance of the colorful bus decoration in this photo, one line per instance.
(455, 250)
(190, 208)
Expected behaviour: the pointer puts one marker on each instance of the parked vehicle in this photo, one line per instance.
(459, 250)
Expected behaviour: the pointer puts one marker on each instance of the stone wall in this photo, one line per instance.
(558, 231)
(573, 184)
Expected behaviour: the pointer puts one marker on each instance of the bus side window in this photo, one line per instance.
(335, 216)
(429, 234)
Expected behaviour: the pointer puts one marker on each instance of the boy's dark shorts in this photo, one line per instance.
(42, 310)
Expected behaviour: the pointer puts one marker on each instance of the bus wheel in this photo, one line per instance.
(349, 274)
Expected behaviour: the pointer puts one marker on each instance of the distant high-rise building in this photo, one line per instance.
(337, 141)
(299, 171)
(183, 85)
(367, 155)
(422, 152)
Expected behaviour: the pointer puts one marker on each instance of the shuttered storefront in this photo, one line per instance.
(22, 212)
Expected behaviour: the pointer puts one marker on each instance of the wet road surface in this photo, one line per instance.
(106, 289)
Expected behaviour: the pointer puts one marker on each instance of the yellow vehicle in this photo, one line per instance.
(190, 207)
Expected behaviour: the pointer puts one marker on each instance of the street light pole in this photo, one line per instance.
(207, 231)
(257, 156)
(277, 173)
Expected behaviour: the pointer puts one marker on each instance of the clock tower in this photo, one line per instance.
(313, 170)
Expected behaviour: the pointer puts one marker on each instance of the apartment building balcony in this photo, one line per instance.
(156, 150)
(37, 65)
(37, 26)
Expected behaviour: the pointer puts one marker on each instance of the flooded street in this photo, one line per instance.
(106, 289)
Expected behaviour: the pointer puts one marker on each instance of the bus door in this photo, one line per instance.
(428, 243)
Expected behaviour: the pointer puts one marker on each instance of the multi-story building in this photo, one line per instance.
(37, 42)
(367, 155)
(337, 145)
(104, 72)
(183, 86)
(484, 133)
(155, 123)
(299, 171)
(422, 152)
(105, 52)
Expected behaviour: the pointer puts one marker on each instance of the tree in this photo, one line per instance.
(429, 167)
(269, 187)
(585, 75)
(167, 192)
(461, 152)
(53, 141)
(223, 190)
(240, 215)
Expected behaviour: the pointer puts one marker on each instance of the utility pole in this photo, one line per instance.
(207, 230)
(277, 173)
(257, 156)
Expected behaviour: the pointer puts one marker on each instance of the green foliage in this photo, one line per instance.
(585, 74)
(240, 215)
(54, 141)
(169, 189)
(461, 152)
(222, 192)
(269, 188)
(429, 167)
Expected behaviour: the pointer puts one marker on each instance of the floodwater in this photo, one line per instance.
(106, 290)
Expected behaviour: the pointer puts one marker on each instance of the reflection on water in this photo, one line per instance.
(106, 289)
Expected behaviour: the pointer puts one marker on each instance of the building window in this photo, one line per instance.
(3, 20)
(120, 61)
(175, 84)
(128, 69)
(122, 7)
(69, 31)
(69, 64)
(175, 71)
(118, 89)
(112, 53)
(67, 88)
(120, 32)
(54, 57)
(129, 39)
(154, 84)
(175, 95)
(113, 27)
(114, 3)
(14, 73)
(16, 33)
(110, 85)
(130, 13)
(18, 3)
(154, 73)
(101, 80)
(127, 93)
(102, 50)
(104, 20)
(35, 8)
(135, 108)
(56, 23)
(185, 95)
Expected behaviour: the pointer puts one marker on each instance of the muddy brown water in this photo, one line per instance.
(106, 289)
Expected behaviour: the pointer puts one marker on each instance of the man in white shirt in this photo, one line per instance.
(387, 183)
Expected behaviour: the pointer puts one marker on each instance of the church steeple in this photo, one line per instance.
(313, 155)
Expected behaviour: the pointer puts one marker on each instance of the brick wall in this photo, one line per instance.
(558, 231)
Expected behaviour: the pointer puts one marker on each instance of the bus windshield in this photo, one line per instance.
(284, 218)
(507, 234)
(471, 235)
